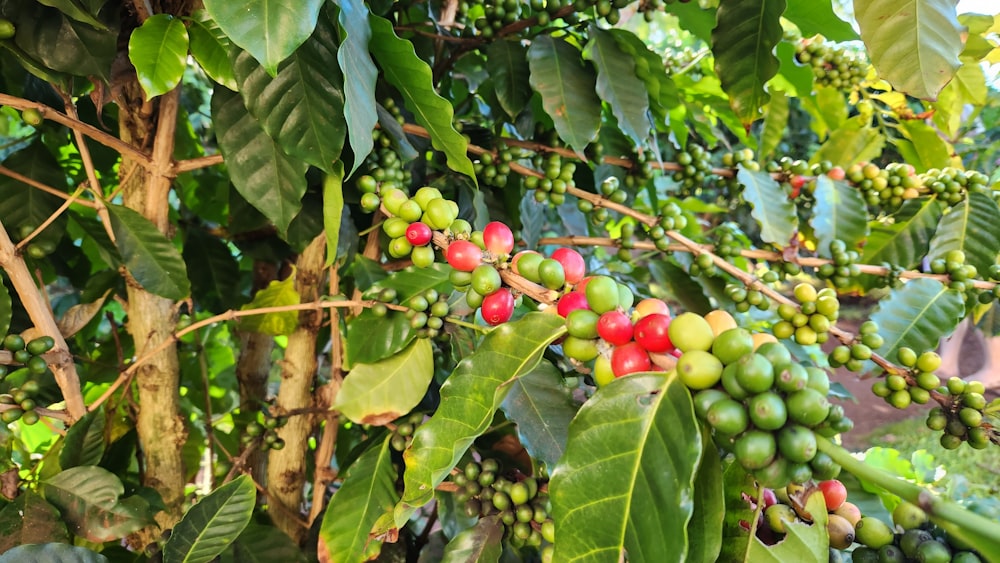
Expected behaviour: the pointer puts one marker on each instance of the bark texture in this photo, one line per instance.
(286, 468)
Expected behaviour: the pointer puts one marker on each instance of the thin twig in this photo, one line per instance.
(50, 219)
(94, 133)
(43, 187)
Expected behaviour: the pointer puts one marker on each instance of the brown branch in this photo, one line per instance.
(45, 188)
(190, 164)
(81, 145)
(89, 130)
(49, 220)
(60, 360)
(230, 315)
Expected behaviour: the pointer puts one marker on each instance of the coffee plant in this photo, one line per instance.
(490, 280)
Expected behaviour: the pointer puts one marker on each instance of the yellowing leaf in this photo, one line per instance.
(276, 294)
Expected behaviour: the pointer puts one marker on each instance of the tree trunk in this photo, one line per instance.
(253, 367)
(286, 468)
(152, 319)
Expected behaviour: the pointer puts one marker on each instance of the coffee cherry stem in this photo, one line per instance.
(944, 513)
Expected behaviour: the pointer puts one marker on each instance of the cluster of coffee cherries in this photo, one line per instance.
(20, 398)
(810, 322)
(854, 355)
(39, 247)
(476, 271)
(961, 275)
(885, 188)
(761, 404)
(494, 169)
(967, 416)
(695, 167)
(787, 506)
(832, 65)
(843, 266)
(952, 184)
(265, 429)
(495, 14)
(414, 220)
(557, 178)
(402, 432)
(910, 538)
(521, 502)
(425, 310)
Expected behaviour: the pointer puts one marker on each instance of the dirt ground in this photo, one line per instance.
(870, 412)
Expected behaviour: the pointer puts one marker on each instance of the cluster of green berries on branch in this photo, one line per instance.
(854, 355)
(952, 185)
(810, 322)
(265, 429)
(960, 274)
(761, 404)
(966, 417)
(832, 65)
(520, 502)
(910, 538)
(402, 432)
(695, 168)
(886, 188)
(843, 266)
(425, 310)
(20, 398)
(558, 177)
(494, 169)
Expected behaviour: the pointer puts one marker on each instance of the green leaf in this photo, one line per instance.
(265, 544)
(627, 478)
(371, 338)
(52, 553)
(775, 123)
(855, 141)
(262, 173)
(209, 526)
(359, 91)
(78, 11)
(84, 442)
(23, 206)
(566, 86)
(213, 270)
(507, 64)
(412, 77)
(149, 256)
(914, 45)
(772, 209)
(480, 543)
(333, 210)
(367, 492)
(210, 47)
(66, 45)
(905, 241)
(89, 500)
(381, 392)
(968, 87)
(738, 485)
(971, 227)
(838, 214)
(795, 79)
(916, 316)
(29, 519)
(618, 85)
(273, 32)
(158, 50)
(687, 291)
(694, 18)
(649, 68)
(705, 527)
(469, 399)
(817, 17)
(302, 106)
(542, 407)
(802, 542)
(743, 43)
(931, 150)
(832, 107)
(276, 294)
